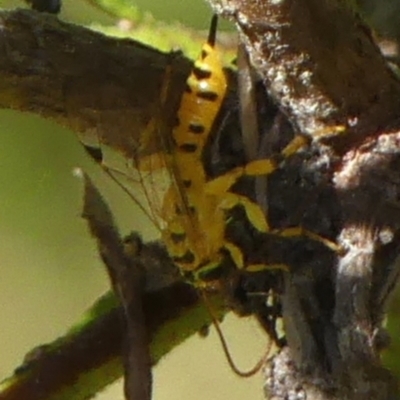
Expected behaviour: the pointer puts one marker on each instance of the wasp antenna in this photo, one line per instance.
(213, 30)
(232, 364)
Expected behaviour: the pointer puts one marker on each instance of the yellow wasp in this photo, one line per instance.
(195, 208)
(193, 211)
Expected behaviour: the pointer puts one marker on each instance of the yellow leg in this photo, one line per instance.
(237, 257)
(198, 274)
(253, 211)
(265, 267)
(265, 166)
(299, 231)
(257, 218)
(235, 253)
(300, 141)
(222, 184)
(329, 131)
(294, 145)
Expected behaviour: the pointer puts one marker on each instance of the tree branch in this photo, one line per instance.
(81, 79)
(321, 66)
(319, 62)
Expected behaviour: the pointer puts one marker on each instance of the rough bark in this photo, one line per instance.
(319, 63)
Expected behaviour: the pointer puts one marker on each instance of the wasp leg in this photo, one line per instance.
(300, 141)
(237, 256)
(263, 167)
(236, 253)
(223, 183)
(300, 231)
(264, 267)
(253, 211)
(257, 218)
(297, 143)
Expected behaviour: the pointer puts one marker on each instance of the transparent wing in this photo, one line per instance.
(141, 163)
(146, 187)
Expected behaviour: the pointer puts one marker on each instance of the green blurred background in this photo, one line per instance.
(50, 271)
